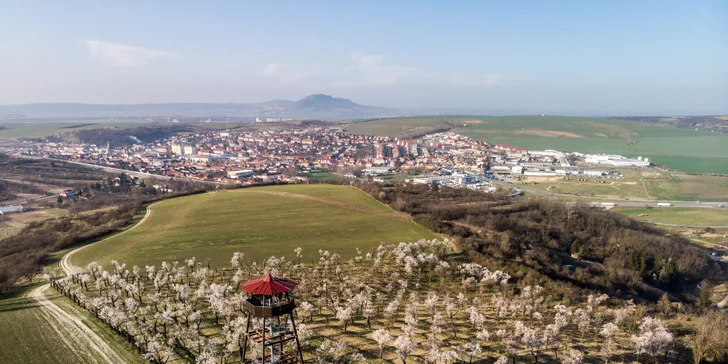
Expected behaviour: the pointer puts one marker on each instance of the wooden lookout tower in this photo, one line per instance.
(272, 302)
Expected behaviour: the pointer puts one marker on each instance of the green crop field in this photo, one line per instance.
(678, 215)
(681, 149)
(397, 127)
(259, 222)
(30, 335)
(42, 130)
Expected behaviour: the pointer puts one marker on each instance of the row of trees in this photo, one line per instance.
(411, 301)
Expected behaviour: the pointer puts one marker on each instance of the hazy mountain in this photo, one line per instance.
(310, 107)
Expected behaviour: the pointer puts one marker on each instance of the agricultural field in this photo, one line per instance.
(637, 185)
(42, 130)
(686, 187)
(680, 149)
(677, 215)
(398, 127)
(259, 222)
(32, 334)
(629, 187)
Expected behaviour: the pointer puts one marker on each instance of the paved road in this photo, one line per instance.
(624, 203)
(131, 173)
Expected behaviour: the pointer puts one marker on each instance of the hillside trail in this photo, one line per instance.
(72, 331)
(389, 214)
(65, 265)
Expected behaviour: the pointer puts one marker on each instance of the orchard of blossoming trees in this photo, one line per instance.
(410, 303)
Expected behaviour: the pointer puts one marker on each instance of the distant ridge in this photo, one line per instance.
(316, 106)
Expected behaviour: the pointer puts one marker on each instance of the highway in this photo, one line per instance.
(621, 203)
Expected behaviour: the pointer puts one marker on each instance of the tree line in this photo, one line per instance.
(118, 136)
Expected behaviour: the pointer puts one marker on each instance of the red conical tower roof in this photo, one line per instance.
(269, 285)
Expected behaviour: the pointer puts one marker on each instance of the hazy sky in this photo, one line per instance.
(590, 57)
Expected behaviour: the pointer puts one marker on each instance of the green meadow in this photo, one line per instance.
(259, 222)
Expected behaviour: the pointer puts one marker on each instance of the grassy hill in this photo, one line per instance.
(259, 222)
(681, 149)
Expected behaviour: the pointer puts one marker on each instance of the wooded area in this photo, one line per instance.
(564, 245)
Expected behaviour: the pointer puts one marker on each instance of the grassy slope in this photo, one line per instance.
(27, 337)
(681, 149)
(678, 215)
(259, 222)
(41, 130)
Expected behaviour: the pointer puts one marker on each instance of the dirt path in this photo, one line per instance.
(72, 331)
(65, 265)
(389, 214)
(644, 185)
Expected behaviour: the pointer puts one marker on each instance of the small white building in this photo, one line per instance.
(11, 209)
(594, 173)
(245, 173)
(539, 173)
(375, 171)
(616, 160)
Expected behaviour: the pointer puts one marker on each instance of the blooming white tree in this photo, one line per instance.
(471, 350)
(306, 309)
(572, 356)
(381, 337)
(331, 351)
(607, 332)
(404, 346)
(653, 337)
(343, 314)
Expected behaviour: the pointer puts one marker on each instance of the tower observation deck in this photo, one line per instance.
(269, 309)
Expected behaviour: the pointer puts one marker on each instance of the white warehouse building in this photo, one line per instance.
(616, 160)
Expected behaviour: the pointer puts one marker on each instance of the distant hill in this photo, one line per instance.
(316, 106)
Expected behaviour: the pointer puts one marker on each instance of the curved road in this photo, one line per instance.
(66, 266)
(74, 333)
